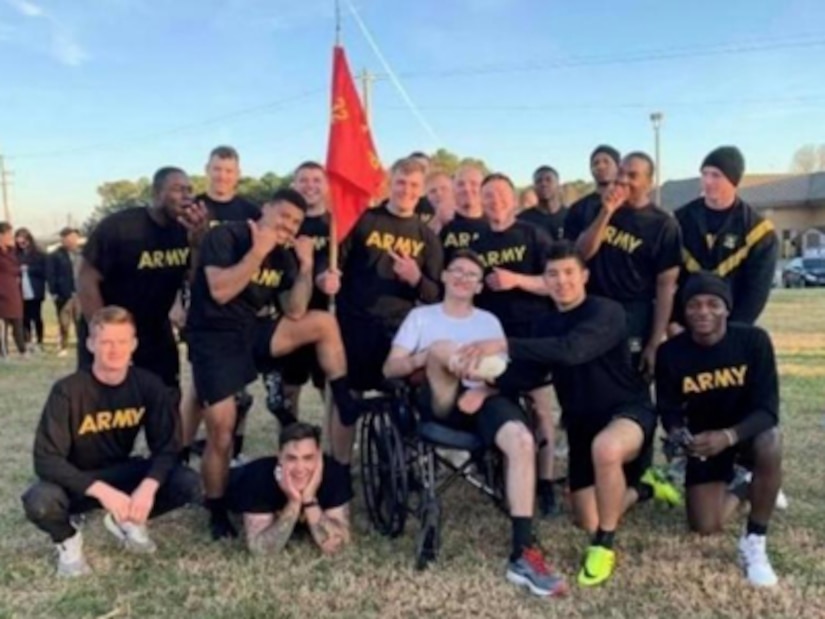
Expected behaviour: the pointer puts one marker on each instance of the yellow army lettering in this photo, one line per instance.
(499, 257)
(723, 378)
(387, 241)
(102, 421)
(621, 239)
(269, 278)
(163, 258)
(460, 239)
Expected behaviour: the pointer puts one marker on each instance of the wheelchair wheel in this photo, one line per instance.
(428, 540)
(384, 473)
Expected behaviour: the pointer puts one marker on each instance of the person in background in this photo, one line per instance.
(548, 213)
(33, 284)
(61, 274)
(439, 191)
(11, 297)
(527, 199)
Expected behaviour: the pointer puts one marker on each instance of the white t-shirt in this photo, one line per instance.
(430, 323)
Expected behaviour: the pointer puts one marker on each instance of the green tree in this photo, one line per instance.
(447, 161)
(118, 195)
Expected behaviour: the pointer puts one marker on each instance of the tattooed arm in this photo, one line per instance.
(268, 534)
(330, 529)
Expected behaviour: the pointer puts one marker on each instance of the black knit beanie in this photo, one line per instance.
(729, 161)
(705, 282)
(607, 150)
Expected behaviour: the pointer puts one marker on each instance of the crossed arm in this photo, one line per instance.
(269, 533)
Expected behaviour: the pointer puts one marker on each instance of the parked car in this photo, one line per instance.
(804, 272)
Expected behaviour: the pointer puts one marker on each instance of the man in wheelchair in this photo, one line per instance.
(606, 405)
(455, 394)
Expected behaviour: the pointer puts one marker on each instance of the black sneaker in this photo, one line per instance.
(220, 527)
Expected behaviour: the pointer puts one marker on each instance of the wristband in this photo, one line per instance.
(730, 436)
(312, 503)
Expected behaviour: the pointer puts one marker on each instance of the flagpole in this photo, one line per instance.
(333, 254)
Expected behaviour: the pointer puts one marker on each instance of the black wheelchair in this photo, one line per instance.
(404, 473)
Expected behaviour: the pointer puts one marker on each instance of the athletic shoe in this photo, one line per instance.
(753, 557)
(532, 571)
(663, 490)
(238, 460)
(221, 527)
(134, 537)
(70, 559)
(781, 497)
(598, 565)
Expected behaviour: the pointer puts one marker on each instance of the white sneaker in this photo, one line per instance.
(781, 497)
(134, 537)
(753, 557)
(70, 559)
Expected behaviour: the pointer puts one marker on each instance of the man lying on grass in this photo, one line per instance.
(299, 486)
(717, 388)
(83, 444)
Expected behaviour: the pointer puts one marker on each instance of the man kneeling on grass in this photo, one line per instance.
(299, 486)
(429, 340)
(83, 444)
(605, 403)
(717, 389)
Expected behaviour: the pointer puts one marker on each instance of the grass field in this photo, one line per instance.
(662, 571)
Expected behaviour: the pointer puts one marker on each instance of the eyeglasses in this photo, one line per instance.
(471, 276)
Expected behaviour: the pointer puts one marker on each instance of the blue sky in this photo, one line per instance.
(96, 90)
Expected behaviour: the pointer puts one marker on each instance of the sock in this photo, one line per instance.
(522, 535)
(645, 492)
(238, 445)
(185, 454)
(216, 507)
(547, 492)
(604, 538)
(347, 406)
(754, 528)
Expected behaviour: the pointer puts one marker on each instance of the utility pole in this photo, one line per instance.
(656, 120)
(5, 175)
(367, 79)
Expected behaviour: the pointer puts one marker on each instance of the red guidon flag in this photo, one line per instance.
(354, 172)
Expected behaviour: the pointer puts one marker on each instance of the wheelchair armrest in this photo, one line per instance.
(445, 436)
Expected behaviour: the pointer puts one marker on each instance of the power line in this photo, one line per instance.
(250, 111)
(393, 77)
(763, 45)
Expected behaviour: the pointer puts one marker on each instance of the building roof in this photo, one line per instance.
(802, 190)
(679, 192)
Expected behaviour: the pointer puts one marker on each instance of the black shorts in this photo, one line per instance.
(580, 439)
(300, 365)
(494, 413)
(367, 344)
(721, 467)
(224, 362)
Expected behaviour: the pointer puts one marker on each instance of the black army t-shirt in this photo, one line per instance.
(225, 246)
(551, 223)
(638, 245)
(461, 233)
(370, 288)
(316, 227)
(235, 209)
(521, 248)
(143, 265)
(253, 488)
(87, 426)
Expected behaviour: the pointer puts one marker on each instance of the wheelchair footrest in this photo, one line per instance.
(444, 436)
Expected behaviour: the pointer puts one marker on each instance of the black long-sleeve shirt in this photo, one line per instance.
(87, 426)
(587, 352)
(369, 286)
(739, 245)
(732, 384)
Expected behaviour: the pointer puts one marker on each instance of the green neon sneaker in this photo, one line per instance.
(664, 490)
(598, 565)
